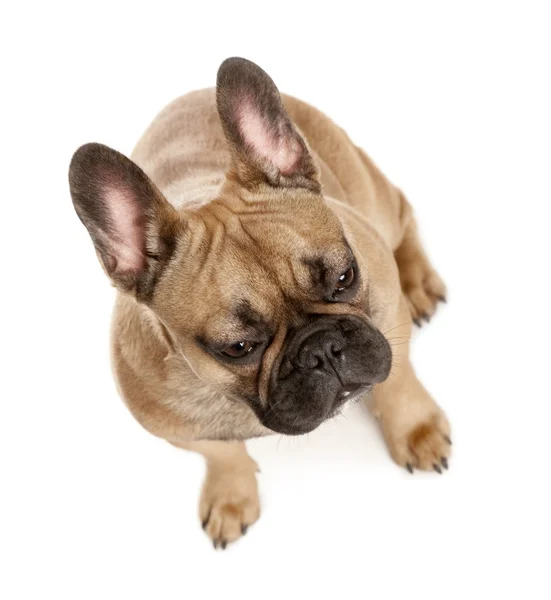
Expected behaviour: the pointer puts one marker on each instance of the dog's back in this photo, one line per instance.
(185, 153)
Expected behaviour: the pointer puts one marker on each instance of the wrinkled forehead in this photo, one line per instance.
(235, 271)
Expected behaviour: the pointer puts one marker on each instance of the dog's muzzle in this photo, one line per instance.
(323, 365)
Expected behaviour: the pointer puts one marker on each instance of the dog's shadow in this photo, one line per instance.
(351, 437)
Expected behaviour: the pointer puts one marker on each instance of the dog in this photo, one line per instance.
(267, 274)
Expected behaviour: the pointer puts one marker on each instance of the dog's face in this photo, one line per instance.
(260, 289)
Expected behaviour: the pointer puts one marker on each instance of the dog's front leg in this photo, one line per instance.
(415, 428)
(229, 500)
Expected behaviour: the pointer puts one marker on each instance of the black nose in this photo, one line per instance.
(324, 364)
(321, 350)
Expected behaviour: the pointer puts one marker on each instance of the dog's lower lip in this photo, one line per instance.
(347, 392)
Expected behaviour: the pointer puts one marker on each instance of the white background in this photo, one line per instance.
(453, 103)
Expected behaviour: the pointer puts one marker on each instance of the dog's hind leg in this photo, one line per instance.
(420, 283)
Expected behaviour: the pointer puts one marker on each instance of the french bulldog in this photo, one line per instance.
(267, 274)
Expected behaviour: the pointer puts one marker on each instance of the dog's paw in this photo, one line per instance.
(423, 289)
(425, 446)
(229, 505)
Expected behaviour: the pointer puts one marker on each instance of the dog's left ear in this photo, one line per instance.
(265, 144)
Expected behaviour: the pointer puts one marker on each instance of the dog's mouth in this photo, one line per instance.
(331, 361)
(300, 425)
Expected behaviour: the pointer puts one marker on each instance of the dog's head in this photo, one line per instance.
(260, 289)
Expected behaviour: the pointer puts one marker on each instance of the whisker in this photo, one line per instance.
(211, 417)
(393, 328)
(259, 423)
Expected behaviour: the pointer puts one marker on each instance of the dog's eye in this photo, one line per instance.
(238, 350)
(345, 281)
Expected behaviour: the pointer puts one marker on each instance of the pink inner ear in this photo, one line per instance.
(127, 245)
(275, 145)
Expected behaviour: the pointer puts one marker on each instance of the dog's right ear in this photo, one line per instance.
(131, 224)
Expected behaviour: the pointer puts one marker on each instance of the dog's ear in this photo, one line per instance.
(265, 145)
(131, 224)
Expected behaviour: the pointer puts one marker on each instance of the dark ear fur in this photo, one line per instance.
(265, 145)
(131, 224)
